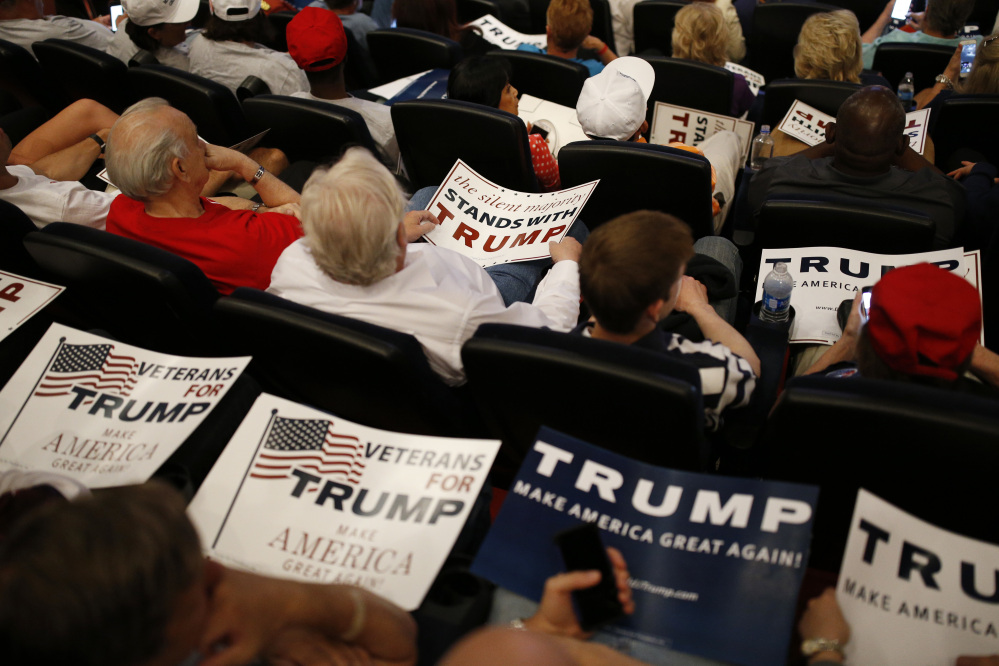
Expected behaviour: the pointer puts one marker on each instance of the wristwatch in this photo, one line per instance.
(944, 79)
(811, 646)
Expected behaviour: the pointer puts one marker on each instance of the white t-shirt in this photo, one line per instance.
(123, 48)
(230, 63)
(377, 117)
(45, 201)
(25, 32)
(440, 297)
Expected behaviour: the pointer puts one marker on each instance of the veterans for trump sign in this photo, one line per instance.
(494, 225)
(914, 593)
(716, 562)
(21, 298)
(301, 494)
(103, 412)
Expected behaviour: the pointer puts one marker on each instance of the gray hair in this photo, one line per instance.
(351, 214)
(139, 151)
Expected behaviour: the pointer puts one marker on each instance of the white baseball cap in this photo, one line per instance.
(153, 12)
(235, 10)
(613, 103)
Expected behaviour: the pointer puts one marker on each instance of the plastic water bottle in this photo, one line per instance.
(762, 150)
(906, 91)
(777, 294)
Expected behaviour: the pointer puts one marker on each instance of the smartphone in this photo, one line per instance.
(116, 11)
(582, 550)
(540, 131)
(968, 49)
(865, 304)
(900, 10)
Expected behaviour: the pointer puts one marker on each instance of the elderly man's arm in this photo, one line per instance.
(273, 192)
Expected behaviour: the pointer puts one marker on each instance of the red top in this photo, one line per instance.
(234, 248)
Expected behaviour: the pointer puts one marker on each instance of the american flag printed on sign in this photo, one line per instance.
(309, 444)
(95, 366)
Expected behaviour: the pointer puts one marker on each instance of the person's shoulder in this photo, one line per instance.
(531, 48)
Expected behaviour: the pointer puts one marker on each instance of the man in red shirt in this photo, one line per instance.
(154, 156)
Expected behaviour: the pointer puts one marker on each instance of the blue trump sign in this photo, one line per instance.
(716, 562)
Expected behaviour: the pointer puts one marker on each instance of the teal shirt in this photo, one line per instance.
(900, 36)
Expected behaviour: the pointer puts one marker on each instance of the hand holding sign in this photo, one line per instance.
(417, 223)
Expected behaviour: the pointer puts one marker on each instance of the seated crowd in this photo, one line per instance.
(348, 239)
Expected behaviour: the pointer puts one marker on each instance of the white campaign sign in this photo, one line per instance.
(103, 412)
(494, 225)
(562, 118)
(692, 127)
(913, 593)
(826, 276)
(808, 125)
(505, 37)
(301, 494)
(21, 298)
(754, 79)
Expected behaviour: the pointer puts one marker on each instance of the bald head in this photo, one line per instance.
(142, 145)
(868, 133)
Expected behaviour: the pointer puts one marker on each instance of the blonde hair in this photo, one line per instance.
(570, 21)
(984, 76)
(699, 33)
(829, 47)
(351, 214)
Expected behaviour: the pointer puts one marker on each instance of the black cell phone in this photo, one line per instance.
(582, 550)
(540, 131)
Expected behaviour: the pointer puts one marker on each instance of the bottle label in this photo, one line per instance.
(776, 304)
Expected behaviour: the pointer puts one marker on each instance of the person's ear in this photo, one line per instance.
(831, 133)
(177, 169)
(654, 311)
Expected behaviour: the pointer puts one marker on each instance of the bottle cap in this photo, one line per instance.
(780, 267)
(765, 129)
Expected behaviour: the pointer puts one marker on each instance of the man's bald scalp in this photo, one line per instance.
(870, 122)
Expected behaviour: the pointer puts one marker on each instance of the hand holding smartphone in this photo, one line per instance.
(582, 550)
(968, 49)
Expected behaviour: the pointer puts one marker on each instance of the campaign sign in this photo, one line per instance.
(496, 32)
(914, 593)
(21, 298)
(715, 562)
(826, 276)
(103, 412)
(301, 494)
(693, 127)
(753, 78)
(494, 225)
(808, 125)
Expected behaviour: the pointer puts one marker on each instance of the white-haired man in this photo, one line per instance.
(156, 159)
(355, 261)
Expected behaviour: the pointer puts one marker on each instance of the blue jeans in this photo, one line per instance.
(516, 281)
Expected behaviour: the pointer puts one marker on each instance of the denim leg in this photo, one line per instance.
(517, 281)
(727, 254)
(421, 199)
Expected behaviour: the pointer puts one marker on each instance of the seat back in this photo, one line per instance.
(692, 84)
(637, 176)
(140, 294)
(279, 21)
(797, 223)
(469, 10)
(22, 76)
(639, 404)
(359, 69)
(774, 34)
(306, 129)
(211, 106)
(928, 451)
(826, 96)
(433, 134)
(14, 226)
(653, 21)
(925, 61)
(949, 126)
(359, 371)
(546, 77)
(399, 52)
(82, 72)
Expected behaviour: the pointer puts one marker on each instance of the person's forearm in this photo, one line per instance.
(607, 56)
(985, 365)
(273, 192)
(910, 160)
(818, 151)
(842, 350)
(717, 329)
(877, 27)
(359, 617)
(70, 163)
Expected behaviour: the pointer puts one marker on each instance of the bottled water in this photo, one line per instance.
(906, 91)
(762, 150)
(777, 294)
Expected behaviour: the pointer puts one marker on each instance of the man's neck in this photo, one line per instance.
(859, 172)
(175, 203)
(556, 51)
(7, 179)
(600, 333)
(330, 90)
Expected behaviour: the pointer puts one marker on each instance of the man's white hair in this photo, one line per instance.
(140, 149)
(351, 214)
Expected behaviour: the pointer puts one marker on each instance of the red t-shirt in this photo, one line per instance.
(234, 248)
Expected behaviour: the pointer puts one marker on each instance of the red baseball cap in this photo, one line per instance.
(924, 320)
(316, 40)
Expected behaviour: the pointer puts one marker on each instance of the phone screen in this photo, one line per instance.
(583, 550)
(901, 10)
(865, 304)
(968, 48)
(116, 11)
